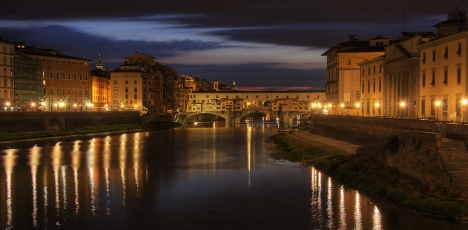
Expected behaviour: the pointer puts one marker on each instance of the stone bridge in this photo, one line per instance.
(234, 117)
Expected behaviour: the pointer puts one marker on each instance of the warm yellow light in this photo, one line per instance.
(342, 105)
(74, 105)
(8, 103)
(121, 105)
(61, 103)
(105, 106)
(32, 104)
(319, 105)
(377, 104)
(135, 106)
(464, 102)
(437, 102)
(402, 104)
(55, 104)
(329, 105)
(357, 105)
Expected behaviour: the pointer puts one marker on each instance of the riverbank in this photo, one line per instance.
(362, 173)
(6, 139)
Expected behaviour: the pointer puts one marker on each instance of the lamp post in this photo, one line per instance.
(402, 107)
(342, 106)
(437, 103)
(464, 102)
(377, 105)
(357, 105)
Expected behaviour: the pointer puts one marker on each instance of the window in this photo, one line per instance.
(446, 53)
(81, 76)
(126, 89)
(432, 107)
(433, 77)
(126, 82)
(57, 92)
(207, 96)
(368, 88)
(63, 75)
(116, 88)
(126, 96)
(58, 75)
(368, 70)
(116, 81)
(267, 96)
(459, 49)
(374, 69)
(373, 89)
(445, 76)
(69, 76)
(135, 81)
(135, 96)
(423, 80)
(349, 62)
(135, 89)
(86, 77)
(445, 107)
(458, 107)
(362, 87)
(380, 68)
(433, 56)
(116, 95)
(458, 74)
(368, 107)
(75, 76)
(423, 107)
(63, 92)
(380, 85)
(51, 75)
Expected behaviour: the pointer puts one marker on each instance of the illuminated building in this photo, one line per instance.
(66, 79)
(343, 72)
(7, 75)
(101, 87)
(136, 84)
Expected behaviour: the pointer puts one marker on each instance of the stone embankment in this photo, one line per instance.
(415, 148)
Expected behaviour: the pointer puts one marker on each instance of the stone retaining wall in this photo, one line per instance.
(11, 122)
(417, 157)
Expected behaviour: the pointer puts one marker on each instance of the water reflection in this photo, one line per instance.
(171, 179)
(9, 160)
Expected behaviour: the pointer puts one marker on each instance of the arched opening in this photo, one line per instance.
(255, 116)
(247, 104)
(204, 117)
(55, 125)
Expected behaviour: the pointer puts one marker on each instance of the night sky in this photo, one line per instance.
(261, 44)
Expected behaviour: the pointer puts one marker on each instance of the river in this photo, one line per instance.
(203, 176)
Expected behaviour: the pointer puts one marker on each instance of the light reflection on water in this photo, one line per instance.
(178, 178)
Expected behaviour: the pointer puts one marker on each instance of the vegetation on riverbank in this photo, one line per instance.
(364, 174)
(83, 131)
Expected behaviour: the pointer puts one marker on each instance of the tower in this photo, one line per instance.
(215, 84)
(99, 64)
(234, 87)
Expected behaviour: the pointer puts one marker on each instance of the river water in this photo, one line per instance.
(203, 176)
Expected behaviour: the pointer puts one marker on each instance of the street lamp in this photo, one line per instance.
(464, 102)
(437, 103)
(357, 105)
(342, 106)
(377, 105)
(402, 110)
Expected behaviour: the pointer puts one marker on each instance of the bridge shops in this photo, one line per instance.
(218, 101)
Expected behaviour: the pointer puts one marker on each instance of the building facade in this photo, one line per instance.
(7, 75)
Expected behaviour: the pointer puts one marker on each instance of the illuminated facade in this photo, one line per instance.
(66, 80)
(343, 72)
(7, 75)
(443, 77)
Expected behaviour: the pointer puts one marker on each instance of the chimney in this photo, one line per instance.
(351, 38)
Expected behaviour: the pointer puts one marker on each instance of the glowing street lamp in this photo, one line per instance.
(32, 104)
(437, 103)
(402, 104)
(464, 102)
(342, 106)
(377, 105)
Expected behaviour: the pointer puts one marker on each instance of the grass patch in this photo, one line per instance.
(364, 174)
(82, 131)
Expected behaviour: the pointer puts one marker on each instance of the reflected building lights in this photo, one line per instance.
(34, 162)
(76, 165)
(106, 169)
(329, 205)
(122, 157)
(9, 164)
(249, 147)
(45, 205)
(64, 187)
(342, 209)
(319, 200)
(357, 212)
(56, 158)
(91, 167)
(136, 161)
(377, 219)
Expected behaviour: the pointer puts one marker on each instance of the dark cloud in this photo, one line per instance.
(256, 75)
(87, 46)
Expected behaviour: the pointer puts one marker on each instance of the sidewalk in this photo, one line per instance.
(348, 147)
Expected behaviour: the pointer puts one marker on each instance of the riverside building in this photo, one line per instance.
(7, 75)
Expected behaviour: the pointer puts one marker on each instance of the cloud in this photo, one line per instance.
(87, 46)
